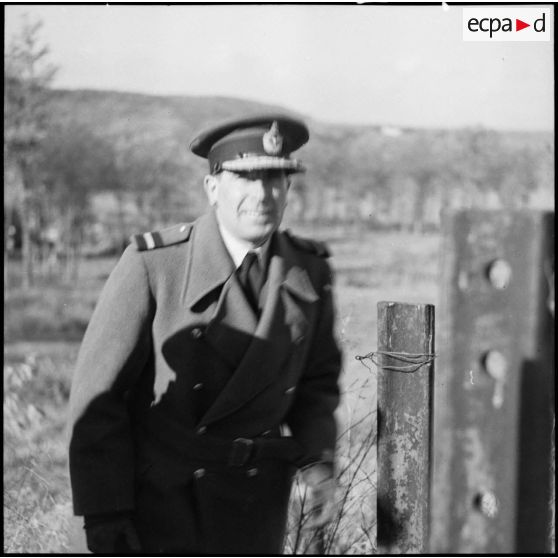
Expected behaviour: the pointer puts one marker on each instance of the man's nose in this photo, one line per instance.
(260, 189)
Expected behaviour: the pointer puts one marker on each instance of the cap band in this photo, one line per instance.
(262, 163)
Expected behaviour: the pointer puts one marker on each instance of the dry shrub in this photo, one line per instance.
(35, 509)
(353, 529)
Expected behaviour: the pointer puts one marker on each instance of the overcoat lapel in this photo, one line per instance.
(232, 321)
(289, 294)
(210, 263)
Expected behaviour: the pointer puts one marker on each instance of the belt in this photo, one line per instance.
(242, 451)
(232, 452)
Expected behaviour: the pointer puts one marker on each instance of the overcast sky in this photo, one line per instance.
(358, 64)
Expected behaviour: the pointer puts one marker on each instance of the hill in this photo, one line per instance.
(371, 174)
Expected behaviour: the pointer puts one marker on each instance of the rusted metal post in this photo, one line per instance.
(493, 415)
(406, 331)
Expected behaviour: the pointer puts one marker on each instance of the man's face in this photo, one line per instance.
(249, 205)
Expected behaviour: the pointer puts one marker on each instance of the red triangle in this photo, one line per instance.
(519, 25)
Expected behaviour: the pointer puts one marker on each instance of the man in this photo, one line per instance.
(208, 340)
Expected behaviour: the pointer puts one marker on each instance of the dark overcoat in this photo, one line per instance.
(175, 365)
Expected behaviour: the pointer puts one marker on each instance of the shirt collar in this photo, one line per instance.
(238, 249)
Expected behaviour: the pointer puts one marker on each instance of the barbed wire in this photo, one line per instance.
(414, 360)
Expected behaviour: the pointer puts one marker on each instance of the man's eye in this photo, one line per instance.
(267, 175)
(274, 174)
(247, 175)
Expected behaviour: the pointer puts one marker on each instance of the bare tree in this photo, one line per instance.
(27, 76)
(154, 178)
(74, 164)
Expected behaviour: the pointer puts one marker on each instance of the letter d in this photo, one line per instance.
(542, 20)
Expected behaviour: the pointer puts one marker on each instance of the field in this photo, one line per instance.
(42, 331)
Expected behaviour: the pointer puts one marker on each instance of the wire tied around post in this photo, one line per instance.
(414, 361)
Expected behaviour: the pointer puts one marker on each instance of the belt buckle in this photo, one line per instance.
(240, 452)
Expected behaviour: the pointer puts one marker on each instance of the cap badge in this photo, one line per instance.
(273, 140)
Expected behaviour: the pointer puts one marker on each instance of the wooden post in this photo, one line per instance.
(404, 425)
(493, 415)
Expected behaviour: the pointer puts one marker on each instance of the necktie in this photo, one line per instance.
(250, 276)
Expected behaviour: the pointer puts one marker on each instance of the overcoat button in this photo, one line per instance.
(252, 472)
(199, 473)
(197, 333)
(289, 390)
(197, 387)
(202, 430)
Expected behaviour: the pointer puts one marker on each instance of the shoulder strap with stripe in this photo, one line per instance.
(166, 237)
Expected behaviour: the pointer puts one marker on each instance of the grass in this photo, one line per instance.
(42, 331)
(50, 310)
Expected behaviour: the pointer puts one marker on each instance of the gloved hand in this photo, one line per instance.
(319, 494)
(111, 534)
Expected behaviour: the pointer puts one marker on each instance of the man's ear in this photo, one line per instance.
(211, 185)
